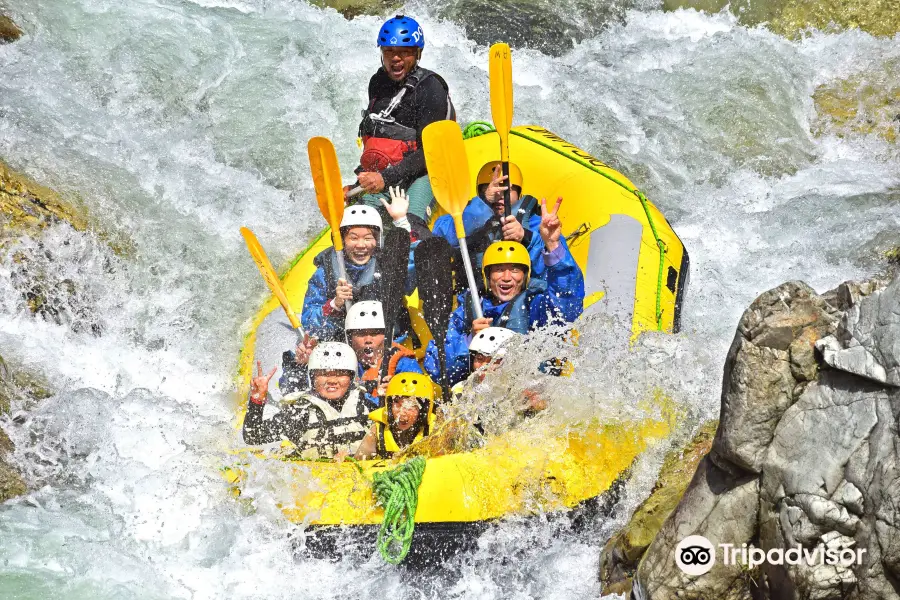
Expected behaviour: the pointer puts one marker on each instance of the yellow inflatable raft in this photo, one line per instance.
(635, 269)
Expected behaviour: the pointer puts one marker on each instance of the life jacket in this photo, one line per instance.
(365, 287)
(385, 444)
(385, 141)
(372, 375)
(327, 429)
(515, 315)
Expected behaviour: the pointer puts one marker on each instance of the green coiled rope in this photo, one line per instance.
(476, 128)
(397, 491)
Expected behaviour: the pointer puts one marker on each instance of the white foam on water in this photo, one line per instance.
(177, 122)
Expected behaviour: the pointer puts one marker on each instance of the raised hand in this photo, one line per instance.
(304, 349)
(494, 191)
(399, 204)
(551, 226)
(342, 292)
(259, 385)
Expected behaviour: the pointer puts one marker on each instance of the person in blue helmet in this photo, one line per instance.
(485, 224)
(403, 98)
(512, 298)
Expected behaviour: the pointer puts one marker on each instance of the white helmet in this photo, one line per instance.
(332, 356)
(367, 314)
(492, 341)
(360, 215)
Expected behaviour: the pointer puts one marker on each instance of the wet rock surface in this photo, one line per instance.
(620, 556)
(17, 386)
(9, 31)
(806, 452)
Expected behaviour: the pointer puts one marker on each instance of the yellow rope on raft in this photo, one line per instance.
(398, 492)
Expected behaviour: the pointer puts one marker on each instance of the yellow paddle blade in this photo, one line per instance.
(448, 168)
(326, 176)
(268, 273)
(501, 94)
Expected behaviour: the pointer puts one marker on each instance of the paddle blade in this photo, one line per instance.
(326, 176)
(434, 276)
(501, 94)
(393, 264)
(268, 274)
(448, 167)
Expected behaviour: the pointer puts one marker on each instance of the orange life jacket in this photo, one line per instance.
(372, 375)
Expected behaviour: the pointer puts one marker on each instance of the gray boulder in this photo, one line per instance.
(805, 458)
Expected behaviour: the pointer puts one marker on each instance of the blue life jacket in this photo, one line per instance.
(365, 279)
(515, 315)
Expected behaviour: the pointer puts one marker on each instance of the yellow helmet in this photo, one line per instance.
(486, 174)
(410, 384)
(417, 385)
(500, 253)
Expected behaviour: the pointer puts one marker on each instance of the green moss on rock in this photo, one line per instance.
(9, 31)
(624, 550)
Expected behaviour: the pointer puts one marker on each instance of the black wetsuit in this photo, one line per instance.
(427, 102)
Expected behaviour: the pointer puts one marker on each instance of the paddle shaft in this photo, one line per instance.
(507, 204)
(342, 269)
(473, 287)
(500, 70)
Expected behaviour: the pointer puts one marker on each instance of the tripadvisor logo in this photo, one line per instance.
(696, 555)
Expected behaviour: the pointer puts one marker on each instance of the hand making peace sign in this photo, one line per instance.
(551, 227)
(259, 385)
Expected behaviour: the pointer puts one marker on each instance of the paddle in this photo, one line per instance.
(502, 107)
(393, 263)
(326, 176)
(448, 170)
(272, 280)
(433, 258)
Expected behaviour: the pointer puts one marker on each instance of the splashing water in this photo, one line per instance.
(176, 122)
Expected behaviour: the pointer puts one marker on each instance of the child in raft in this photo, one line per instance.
(327, 294)
(326, 420)
(407, 417)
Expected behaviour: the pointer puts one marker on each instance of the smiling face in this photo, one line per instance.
(404, 412)
(368, 345)
(331, 385)
(506, 281)
(398, 61)
(360, 244)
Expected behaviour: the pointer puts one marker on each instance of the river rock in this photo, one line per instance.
(9, 31)
(806, 455)
(620, 556)
(16, 384)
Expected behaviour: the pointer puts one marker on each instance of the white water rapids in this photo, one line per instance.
(177, 122)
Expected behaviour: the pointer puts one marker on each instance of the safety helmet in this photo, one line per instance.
(492, 341)
(360, 215)
(402, 32)
(504, 252)
(332, 356)
(486, 174)
(416, 385)
(367, 314)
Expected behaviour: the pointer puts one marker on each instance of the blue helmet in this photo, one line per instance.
(401, 31)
